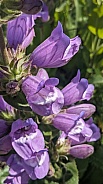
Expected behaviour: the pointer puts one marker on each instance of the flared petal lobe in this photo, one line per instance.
(56, 50)
(26, 138)
(77, 90)
(42, 95)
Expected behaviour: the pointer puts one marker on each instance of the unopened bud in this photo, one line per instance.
(12, 87)
(31, 6)
(27, 6)
(81, 151)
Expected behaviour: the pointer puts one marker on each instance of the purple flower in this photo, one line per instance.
(32, 157)
(56, 50)
(44, 14)
(5, 144)
(78, 151)
(95, 130)
(4, 106)
(81, 151)
(77, 130)
(87, 109)
(35, 168)
(26, 138)
(77, 90)
(4, 128)
(31, 6)
(20, 31)
(17, 173)
(42, 95)
(38, 165)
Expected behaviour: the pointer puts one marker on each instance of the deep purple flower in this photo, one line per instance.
(4, 106)
(77, 90)
(4, 128)
(42, 95)
(31, 6)
(20, 31)
(5, 144)
(56, 50)
(26, 138)
(81, 151)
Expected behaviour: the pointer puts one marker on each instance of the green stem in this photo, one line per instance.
(3, 48)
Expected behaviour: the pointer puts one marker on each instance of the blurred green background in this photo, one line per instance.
(83, 18)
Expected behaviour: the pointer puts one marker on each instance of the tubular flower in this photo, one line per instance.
(31, 159)
(75, 128)
(20, 31)
(42, 95)
(77, 90)
(31, 6)
(56, 50)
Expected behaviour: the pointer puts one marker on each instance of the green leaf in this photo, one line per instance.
(71, 166)
(95, 23)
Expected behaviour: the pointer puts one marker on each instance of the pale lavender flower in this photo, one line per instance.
(77, 130)
(17, 173)
(81, 151)
(26, 138)
(77, 90)
(88, 109)
(56, 50)
(32, 157)
(21, 170)
(38, 165)
(42, 95)
(95, 130)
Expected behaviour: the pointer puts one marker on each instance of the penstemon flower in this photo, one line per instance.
(56, 50)
(42, 95)
(31, 159)
(20, 31)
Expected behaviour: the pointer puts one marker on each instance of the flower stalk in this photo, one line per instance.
(3, 48)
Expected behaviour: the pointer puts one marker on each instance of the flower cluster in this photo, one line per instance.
(22, 143)
(31, 157)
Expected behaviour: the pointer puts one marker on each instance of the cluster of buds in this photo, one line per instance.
(22, 144)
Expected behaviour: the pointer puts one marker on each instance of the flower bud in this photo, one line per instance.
(27, 6)
(31, 6)
(12, 87)
(82, 151)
